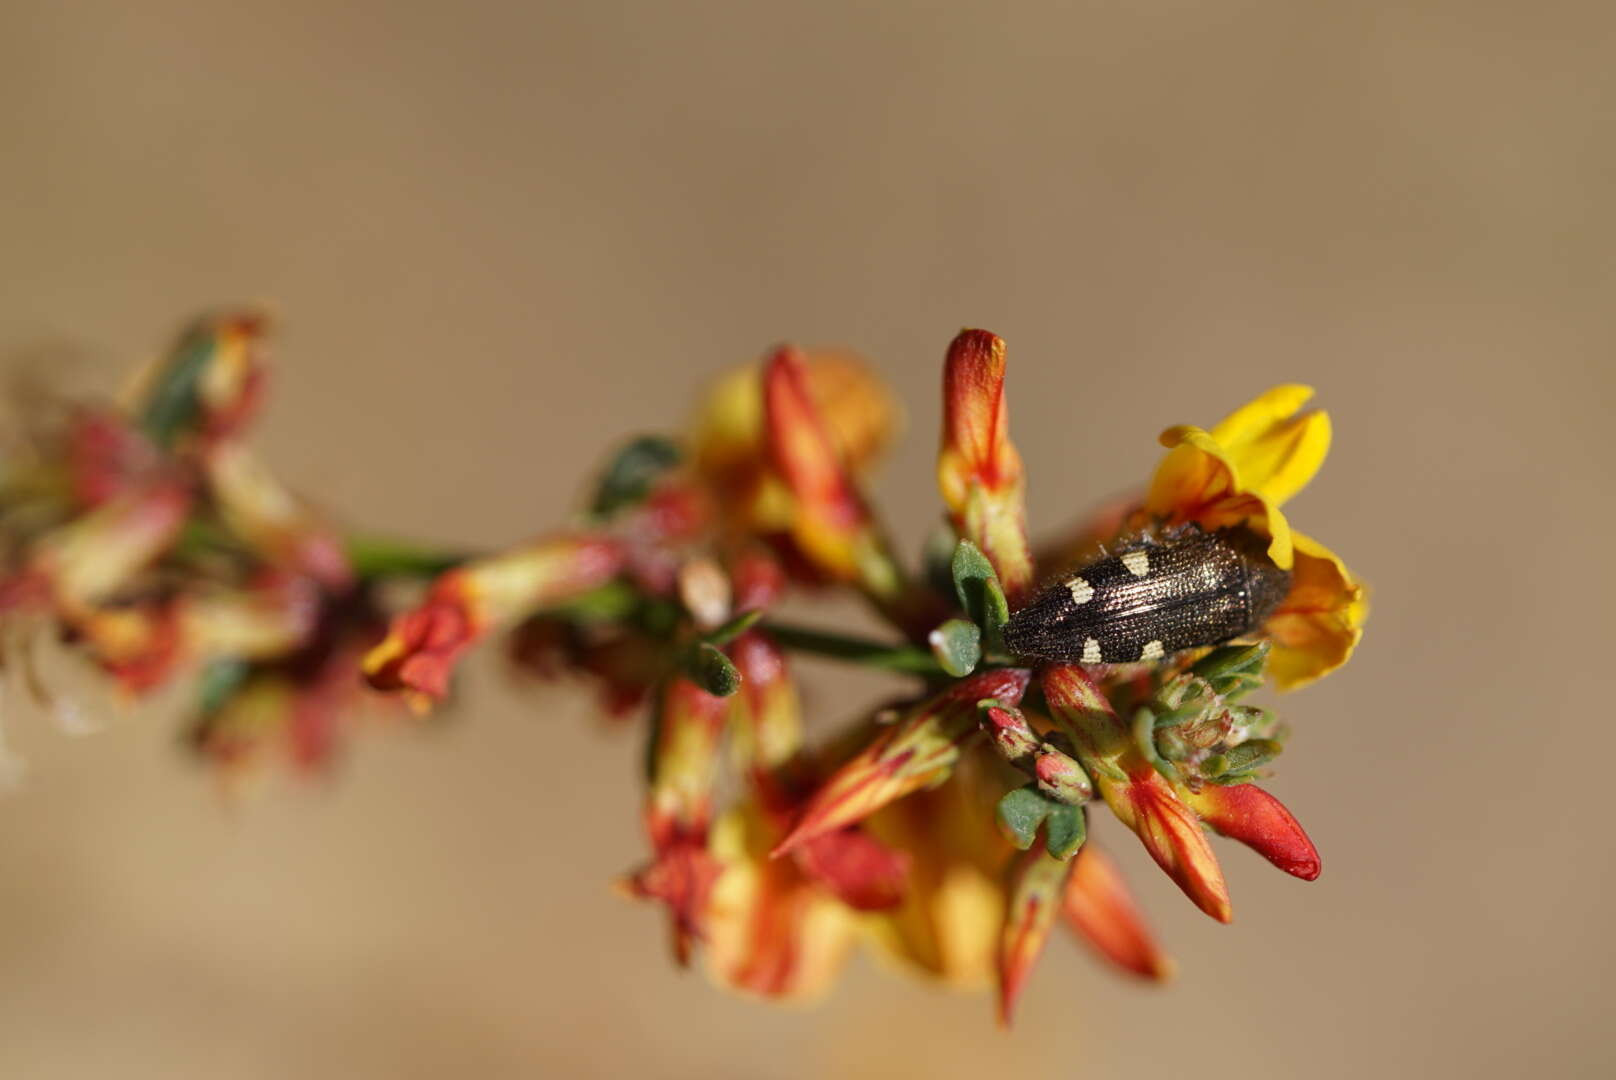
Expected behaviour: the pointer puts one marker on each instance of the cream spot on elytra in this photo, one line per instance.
(1082, 591)
(1151, 651)
(1091, 651)
(1137, 562)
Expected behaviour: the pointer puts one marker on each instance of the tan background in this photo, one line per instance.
(503, 236)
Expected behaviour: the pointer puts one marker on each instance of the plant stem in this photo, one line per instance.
(909, 659)
(378, 557)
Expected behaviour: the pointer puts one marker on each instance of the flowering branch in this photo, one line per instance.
(950, 827)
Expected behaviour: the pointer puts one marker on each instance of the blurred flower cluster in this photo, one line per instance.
(146, 536)
(946, 828)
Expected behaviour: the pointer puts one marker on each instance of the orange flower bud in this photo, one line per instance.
(280, 526)
(1098, 905)
(679, 809)
(1173, 835)
(1037, 881)
(916, 752)
(471, 601)
(1247, 813)
(832, 519)
(859, 413)
(830, 523)
(95, 555)
(1135, 792)
(209, 386)
(978, 468)
(767, 712)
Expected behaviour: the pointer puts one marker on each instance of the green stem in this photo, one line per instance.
(877, 654)
(379, 557)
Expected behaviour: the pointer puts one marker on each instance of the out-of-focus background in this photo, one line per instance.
(503, 236)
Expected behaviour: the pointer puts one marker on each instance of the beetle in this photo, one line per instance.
(1154, 596)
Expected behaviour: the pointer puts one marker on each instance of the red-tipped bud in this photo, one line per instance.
(471, 601)
(1012, 736)
(767, 711)
(1098, 905)
(916, 752)
(1132, 788)
(422, 648)
(95, 555)
(831, 517)
(831, 526)
(1037, 882)
(679, 809)
(285, 530)
(1173, 835)
(1247, 813)
(210, 385)
(978, 468)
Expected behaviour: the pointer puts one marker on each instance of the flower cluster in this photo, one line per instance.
(947, 828)
(146, 536)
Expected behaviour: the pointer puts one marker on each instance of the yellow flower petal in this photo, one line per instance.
(1319, 624)
(1199, 482)
(948, 925)
(1256, 417)
(1195, 472)
(1274, 451)
(770, 931)
(860, 414)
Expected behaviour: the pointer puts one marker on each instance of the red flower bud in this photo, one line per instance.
(1247, 813)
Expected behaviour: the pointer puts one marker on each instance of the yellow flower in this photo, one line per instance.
(949, 923)
(1240, 473)
(859, 413)
(771, 930)
(729, 437)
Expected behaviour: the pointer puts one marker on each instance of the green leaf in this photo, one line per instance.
(976, 584)
(1144, 737)
(632, 472)
(1021, 812)
(711, 670)
(1242, 759)
(1233, 670)
(957, 644)
(219, 680)
(1064, 831)
(173, 403)
(733, 629)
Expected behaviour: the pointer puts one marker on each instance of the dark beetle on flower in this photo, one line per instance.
(1155, 596)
